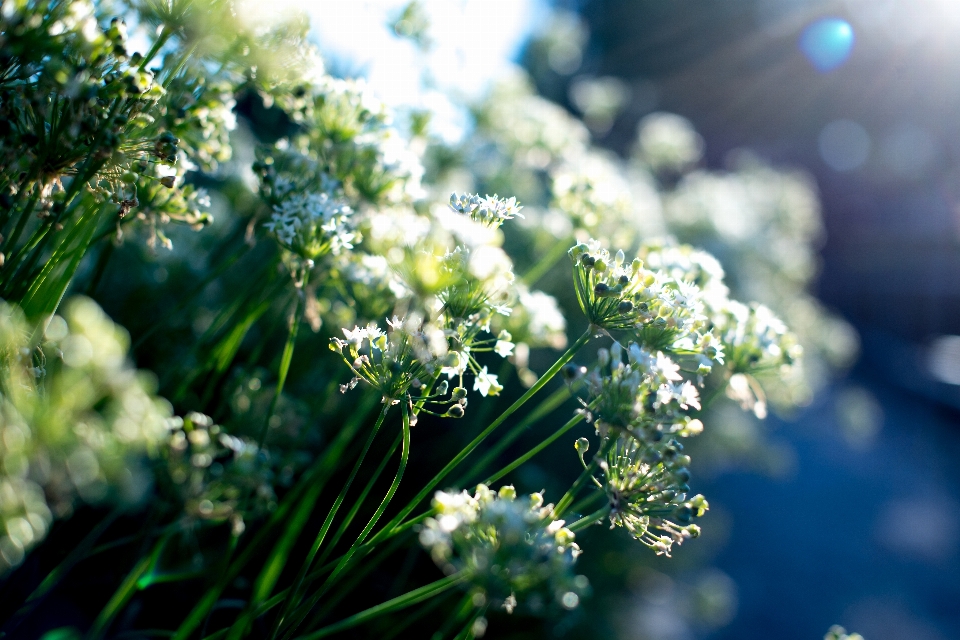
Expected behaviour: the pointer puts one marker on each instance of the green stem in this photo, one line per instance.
(572, 422)
(467, 632)
(129, 586)
(11, 241)
(550, 404)
(571, 494)
(401, 626)
(584, 477)
(396, 604)
(294, 591)
(357, 575)
(450, 466)
(360, 501)
(313, 480)
(344, 561)
(286, 358)
(588, 520)
(581, 504)
(546, 263)
(161, 40)
(458, 613)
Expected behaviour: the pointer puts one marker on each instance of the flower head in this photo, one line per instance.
(514, 552)
(392, 361)
(312, 224)
(491, 211)
(646, 485)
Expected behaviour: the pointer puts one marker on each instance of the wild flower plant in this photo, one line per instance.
(315, 180)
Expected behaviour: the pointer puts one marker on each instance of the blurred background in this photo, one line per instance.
(848, 509)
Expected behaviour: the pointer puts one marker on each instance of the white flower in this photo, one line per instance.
(311, 224)
(665, 368)
(486, 383)
(503, 348)
(358, 335)
(687, 395)
(491, 211)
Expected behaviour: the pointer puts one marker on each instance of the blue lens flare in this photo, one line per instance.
(827, 43)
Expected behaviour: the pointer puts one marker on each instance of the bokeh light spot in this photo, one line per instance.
(827, 43)
(844, 145)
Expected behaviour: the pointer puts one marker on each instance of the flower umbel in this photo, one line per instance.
(491, 211)
(393, 361)
(646, 486)
(514, 552)
(311, 225)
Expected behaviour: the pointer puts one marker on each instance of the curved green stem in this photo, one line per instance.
(358, 574)
(450, 466)
(467, 632)
(304, 493)
(360, 501)
(130, 585)
(294, 591)
(345, 560)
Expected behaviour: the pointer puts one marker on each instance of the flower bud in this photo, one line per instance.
(603, 357)
(455, 411)
(582, 445)
(459, 393)
(572, 372)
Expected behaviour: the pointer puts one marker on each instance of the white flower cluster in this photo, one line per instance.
(312, 224)
(511, 548)
(646, 396)
(755, 338)
(491, 211)
(661, 310)
(667, 143)
(343, 123)
(392, 361)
